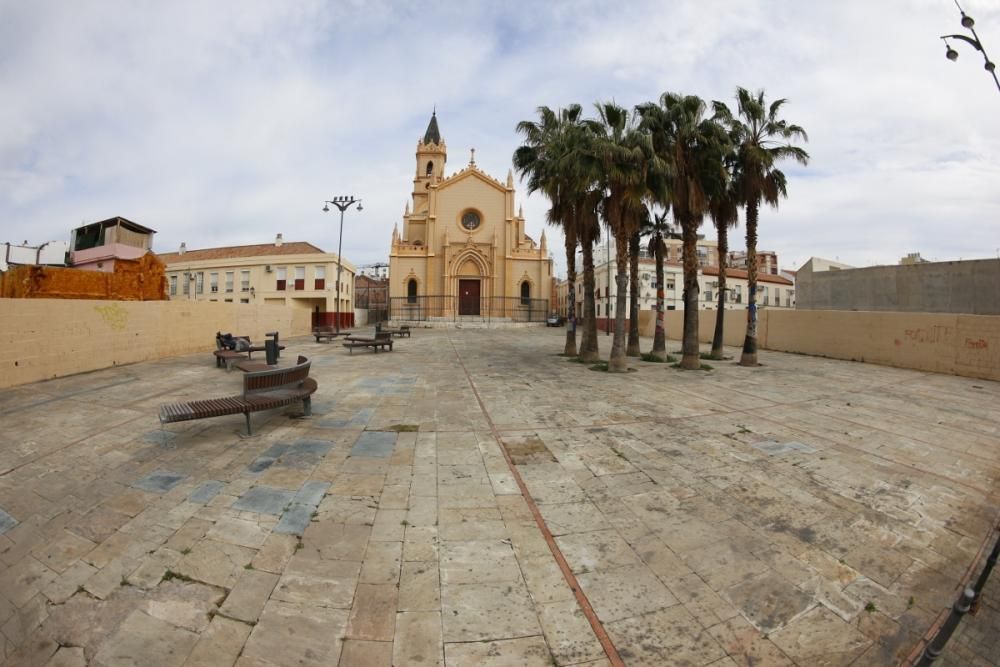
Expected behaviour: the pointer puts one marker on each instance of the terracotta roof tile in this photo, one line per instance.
(739, 273)
(240, 251)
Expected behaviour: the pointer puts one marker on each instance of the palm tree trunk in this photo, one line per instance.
(633, 299)
(692, 358)
(570, 349)
(660, 335)
(720, 312)
(749, 357)
(588, 341)
(618, 362)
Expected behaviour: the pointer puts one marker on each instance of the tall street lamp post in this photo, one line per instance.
(952, 54)
(342, 203)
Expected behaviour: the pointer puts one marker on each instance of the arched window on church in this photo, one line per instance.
(525, 293)
(430, 168)
(411, 291)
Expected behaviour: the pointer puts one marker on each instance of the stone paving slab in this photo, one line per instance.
(805, 512)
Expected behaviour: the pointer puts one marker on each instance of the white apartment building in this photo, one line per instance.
(773, 291)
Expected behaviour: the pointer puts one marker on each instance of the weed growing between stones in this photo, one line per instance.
(648, 356)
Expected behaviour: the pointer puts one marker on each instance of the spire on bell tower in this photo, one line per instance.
(432, 153)
(433, 135)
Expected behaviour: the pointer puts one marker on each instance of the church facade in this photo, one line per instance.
(463, 250)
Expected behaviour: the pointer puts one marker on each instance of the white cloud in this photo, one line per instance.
(221, 123)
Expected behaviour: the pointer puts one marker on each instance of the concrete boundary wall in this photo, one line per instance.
(47, 338)
(966, 345)
(969, 286)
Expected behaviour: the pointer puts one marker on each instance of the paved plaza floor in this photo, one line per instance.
(805, 512)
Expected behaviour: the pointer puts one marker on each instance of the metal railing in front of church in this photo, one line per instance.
(484, 309)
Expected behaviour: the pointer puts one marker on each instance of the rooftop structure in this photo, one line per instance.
(95, 246)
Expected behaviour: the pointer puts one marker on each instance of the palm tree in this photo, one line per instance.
(542, 160)
(761, 139)
(623, 153)
(632, 344)
(722, 208)
(589, 232)
(657, 229)
(693, 146)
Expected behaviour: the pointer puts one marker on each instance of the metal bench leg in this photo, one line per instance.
(249, 427)
(307, 408)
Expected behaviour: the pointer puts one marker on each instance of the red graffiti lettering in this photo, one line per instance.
(980, 344)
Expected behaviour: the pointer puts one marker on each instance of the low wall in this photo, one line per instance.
(966, 345)
(46, 338)
(733, 333)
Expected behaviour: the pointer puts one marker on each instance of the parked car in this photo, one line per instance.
(554, 320)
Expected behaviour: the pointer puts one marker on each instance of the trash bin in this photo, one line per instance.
(273, 335)
(271, 351)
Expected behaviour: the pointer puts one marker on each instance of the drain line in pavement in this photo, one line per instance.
(581, 599)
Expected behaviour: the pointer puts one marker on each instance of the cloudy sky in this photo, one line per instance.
(221, 123)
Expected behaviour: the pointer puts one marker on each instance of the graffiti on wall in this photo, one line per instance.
(113, 315)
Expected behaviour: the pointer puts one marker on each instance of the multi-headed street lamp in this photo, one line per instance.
(952, 54)
(342, 203)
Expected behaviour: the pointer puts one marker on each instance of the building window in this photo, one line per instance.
(411, 291)
(300, 277)
(229, 281)
(199, 282)
(320, 276)
(525, 293)
(186, 283)
(244, 281)
(708, 295)
(282, 275)
(430, 168)
(244, 300)
(173, 285)
(213, 282)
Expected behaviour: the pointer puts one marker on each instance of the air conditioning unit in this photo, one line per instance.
(267, 268)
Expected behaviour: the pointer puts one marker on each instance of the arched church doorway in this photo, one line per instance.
(469, 296)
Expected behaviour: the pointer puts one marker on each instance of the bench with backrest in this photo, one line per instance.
(227, 356)
(263, 348)
(263, 390)
(326, 333)
(382, 339)
(244, 350)
(400, 332)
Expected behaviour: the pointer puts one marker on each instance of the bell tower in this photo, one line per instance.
(432, 153)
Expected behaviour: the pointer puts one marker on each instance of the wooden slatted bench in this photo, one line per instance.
(382, 339)
(223, 355)
(327, 333)
(399, 333)
(229, 357)
(262, 390)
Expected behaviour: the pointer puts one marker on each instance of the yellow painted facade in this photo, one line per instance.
(463, 232)
(294, 274)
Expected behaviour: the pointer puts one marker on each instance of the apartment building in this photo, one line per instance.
(295, 274)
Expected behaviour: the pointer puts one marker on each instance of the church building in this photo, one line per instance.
(463, 250)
